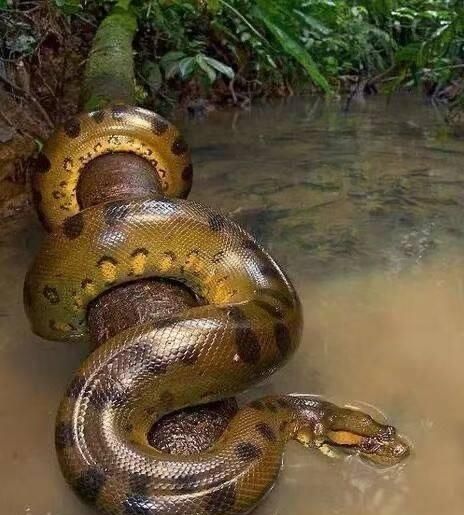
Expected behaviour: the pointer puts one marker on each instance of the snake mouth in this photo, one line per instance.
(384, 448)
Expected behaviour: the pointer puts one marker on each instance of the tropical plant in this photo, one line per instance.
(266, 46)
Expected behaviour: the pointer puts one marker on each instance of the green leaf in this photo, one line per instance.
(171, 57)
(201, 61)
(294, 49)
(220, 67)
(313, 23)
(68, 6)
(170, 63)
(186, 67)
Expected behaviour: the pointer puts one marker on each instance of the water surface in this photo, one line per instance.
(364, 211)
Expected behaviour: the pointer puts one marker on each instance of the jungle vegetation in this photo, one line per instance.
(234, 50)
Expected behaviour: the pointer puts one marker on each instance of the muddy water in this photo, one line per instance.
(364, 210)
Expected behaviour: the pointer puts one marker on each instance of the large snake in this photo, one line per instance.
(249, 326)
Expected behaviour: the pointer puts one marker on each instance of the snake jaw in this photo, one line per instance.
(384, 451)
(384, 448)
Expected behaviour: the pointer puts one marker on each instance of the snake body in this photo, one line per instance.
(250, 326)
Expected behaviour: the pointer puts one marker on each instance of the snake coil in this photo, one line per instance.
(250, 325)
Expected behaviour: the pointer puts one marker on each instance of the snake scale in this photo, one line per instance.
(249, 326)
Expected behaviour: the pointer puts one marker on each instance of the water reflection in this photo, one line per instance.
(364, 211)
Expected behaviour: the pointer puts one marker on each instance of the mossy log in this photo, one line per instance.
(109, 75)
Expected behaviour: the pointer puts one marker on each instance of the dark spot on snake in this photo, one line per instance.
(56, 194)
(247, 451)
(221, 501)
(51, 294)
(115, 212)
(138, 505)
(72, 128)
(179, 146)
(117, 112)
(86, 282)
(257, 405)
(266, 431)
(139, 483)
(141, 251)
(42, 163)
(250, 244)
(217, 222)
(187, 173)
(89, 484)
(73, 226)
(270, 309)
(159, 126)
(282, 338)
(98, 116)
(248, 347)
(107, 259)
(269, 270)
(63, 436)
(247, 342)
(75, 387)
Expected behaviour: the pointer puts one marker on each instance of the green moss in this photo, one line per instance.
(109, 75)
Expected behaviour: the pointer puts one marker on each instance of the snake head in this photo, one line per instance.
(355, 431)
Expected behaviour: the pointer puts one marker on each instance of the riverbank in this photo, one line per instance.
(198, 57)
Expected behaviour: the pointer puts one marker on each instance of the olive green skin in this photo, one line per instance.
(250, 325)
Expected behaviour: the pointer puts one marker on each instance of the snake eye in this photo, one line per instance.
(388, 433)
(398, 450)
(369, 446)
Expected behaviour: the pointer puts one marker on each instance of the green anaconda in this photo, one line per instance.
(249, 326)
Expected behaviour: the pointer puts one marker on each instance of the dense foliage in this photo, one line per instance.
(278, 46)
(282, 43)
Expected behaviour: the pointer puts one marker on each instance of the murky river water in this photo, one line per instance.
(365, 211)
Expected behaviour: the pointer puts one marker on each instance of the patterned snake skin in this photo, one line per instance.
(250, 325)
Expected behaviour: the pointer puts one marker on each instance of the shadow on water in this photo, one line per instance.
(364, 210)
